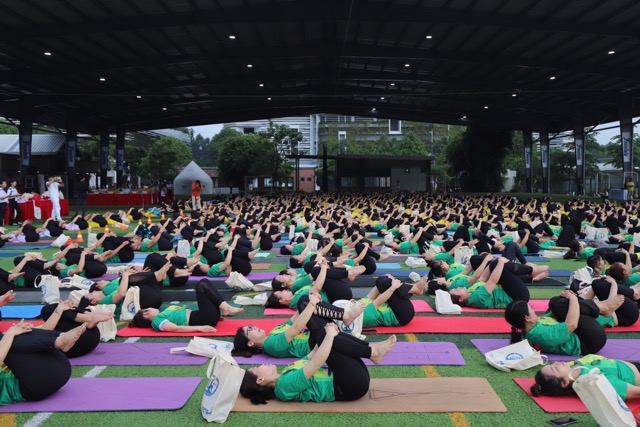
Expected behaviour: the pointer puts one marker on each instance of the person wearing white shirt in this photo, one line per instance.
(14, 207)
(53, 184)
(3, 201)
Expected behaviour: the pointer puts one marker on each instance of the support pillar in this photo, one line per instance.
(25, 136)
(104, 155)
(325, 171)
(120, 137)
(626, 133)
(578, 137)
(528, 153)
(72, 152)
(544, 155)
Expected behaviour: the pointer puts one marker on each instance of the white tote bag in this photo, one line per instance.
(636, 239)
(354, 328)
(107, 329)
(77, 281)
(584, 275)
(444, 304)
(238, 281)
(50, 286)
(602, 400)
(260, 299)
(131, 304)
(547, 253)
(184, 249)
(462, 255)
(60, 241)
(223, 387)
(205, 347)
(518, 356)
(388, 238)
(76, 296)
(414, 262)
(404, 229)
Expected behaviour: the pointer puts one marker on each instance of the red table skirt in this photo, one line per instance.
(120, 199)
(45, 208)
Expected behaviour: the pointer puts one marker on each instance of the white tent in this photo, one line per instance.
(182, 182)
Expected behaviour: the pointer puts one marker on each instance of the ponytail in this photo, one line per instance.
(516, 336)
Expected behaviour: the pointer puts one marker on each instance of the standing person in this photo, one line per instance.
(3, 201)
(82, 187)
(196, 187)
(53, 184)
(14, 207)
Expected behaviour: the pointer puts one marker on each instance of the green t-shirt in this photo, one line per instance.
(9, 387)
(214, 271)
(587, 252)
(113, 260)
(109, 291)
(619, 374)
(174, 314)
(459, 281)
(305, 291)
(297, 249)
(481, 298)
(633, 279)
(551, 336)
(276, 344)
(383, 316)
(293, 385)
(454, 270)
(408, 247)
(18, 282)
(146, 246)
(65, 271)
(444, 256)
(300, 282)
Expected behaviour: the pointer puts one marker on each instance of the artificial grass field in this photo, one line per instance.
(521, 410)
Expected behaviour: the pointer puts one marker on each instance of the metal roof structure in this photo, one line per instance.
(139, 65)
(41, 144)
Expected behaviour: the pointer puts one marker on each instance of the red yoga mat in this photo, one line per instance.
(419, 305)
(6, 324)
(539, 305)
(450, 325)
(226, 328)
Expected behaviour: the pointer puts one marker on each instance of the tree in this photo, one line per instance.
(165, 157)
(201, 149)
(410, 145)
(6, 129)
(614, 155)
(284, 140)
(234, 159)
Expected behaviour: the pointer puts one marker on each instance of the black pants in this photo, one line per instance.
(512, 252)
(628, 312)
(14, 211)
(209, 300)
(150, 290)
(399, 302)
(87, 342)
(41, 369)
(81, 205)
(334, 286)
(591, 334)
(369, 260)
(512, 284)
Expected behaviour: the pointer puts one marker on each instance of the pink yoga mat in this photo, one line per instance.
(403, 353)
(226, 328)
(552, 404)
(114, 394)
(539, 305)
(449, 325)
(420, 306)
(137, 354)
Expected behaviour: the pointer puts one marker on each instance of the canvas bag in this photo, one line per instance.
(388, 238)
(60, 241)
(415, 262)
(404, 229)
(238, 281)
(222, 389)
(518, 356)
(76, 296)
(131, 303)
(444, 305)
(50, 286)
(184, 249)
(584, 275)
(312, 246)
(462, 255)
(107, 329)
(205, 347)
(259, 299)
(552, 254)
(602, 400)
(77, 281)
(355, 328)
(636, 239)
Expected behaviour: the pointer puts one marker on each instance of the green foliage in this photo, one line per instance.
(165, 157)
(612, 151)
(235, 158)
(201, 149)
(284, 141)
(6, 129)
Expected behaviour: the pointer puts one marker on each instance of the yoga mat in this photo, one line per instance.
(403, 353)
(539, 305)
(552, 404)
(621, 349)
(262, 255)
(401, 395)
(114, 394)
(261, 276)
(548, 281)
(530, 258)
(25, 247)
(226, 328)
(388, 265)
(559, 273)
(21, 311)
(420, 306)
(6, 324)
(137, 354)
(450, 325)
(7, 254)
(261, 266)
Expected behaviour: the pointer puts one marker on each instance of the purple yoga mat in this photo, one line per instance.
(263, 275)
(114, 394)
(137, 354)
(621, 349)
(403, 353)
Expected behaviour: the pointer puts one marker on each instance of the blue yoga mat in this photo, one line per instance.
(26, 247)
(397, 273)
(5, 254)
(536, 259)
(559, 273)
(388, 266)
(21, 311)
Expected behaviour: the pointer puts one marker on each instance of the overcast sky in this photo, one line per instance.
(604, 136)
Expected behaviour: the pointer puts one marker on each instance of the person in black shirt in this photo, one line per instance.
(82, 187)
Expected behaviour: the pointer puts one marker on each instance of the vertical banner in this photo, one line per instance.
(544, 157)
(25, 130)
(104, 155)
(71, 153)
(626, 132)
(578, 136)
(120, 137)
(528, 152)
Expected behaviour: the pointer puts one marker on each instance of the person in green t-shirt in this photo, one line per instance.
(34, 363)
(573, 326)
(557, 378)
(389, 302)
(211, 305)
(345, 379)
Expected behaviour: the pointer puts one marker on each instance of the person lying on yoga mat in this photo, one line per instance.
(170, 274)
(486, 293)
(211, 305)
(573, 326)
(37, 366)
(290, 339)
(556, 379)
(606, 287)
(345, 378)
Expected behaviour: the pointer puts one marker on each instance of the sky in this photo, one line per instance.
(207, 131)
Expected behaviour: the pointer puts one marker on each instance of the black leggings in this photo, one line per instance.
(369, 260)
(628, 312)
(87, 342)
(126, 254)
(350, 375)
(591, 333)
(30, 233)
(40, 369)
(512, 252)
(209, 300)
(5, 285)
(334, 286)
(150, 290)
(399, 302)
(512, 283)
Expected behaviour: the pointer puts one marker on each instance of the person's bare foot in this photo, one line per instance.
(383, 257)
(98, 318)
(7, 297)
(352, 314)
(609, 306)
(229, 310)
(66, 340)
(356, 271)
(419, 287)
(380, 349)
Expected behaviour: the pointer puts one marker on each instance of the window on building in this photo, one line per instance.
(377, 182)
(248, 130)
(395, 127)
(342, 135)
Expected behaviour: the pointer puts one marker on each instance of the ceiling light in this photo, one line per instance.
(486, 107)
(47, 54)
(249, 66)
(102, 79)
(232, 37)
(407, 65)
(164, 108)
(139, 96)
(429, 36)
(392, 84)
(611, 52)
(261, 85)
(268, 99)
(463, 118)
(373, 109)
(514, 95)
(382, 97)
(552, 78)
